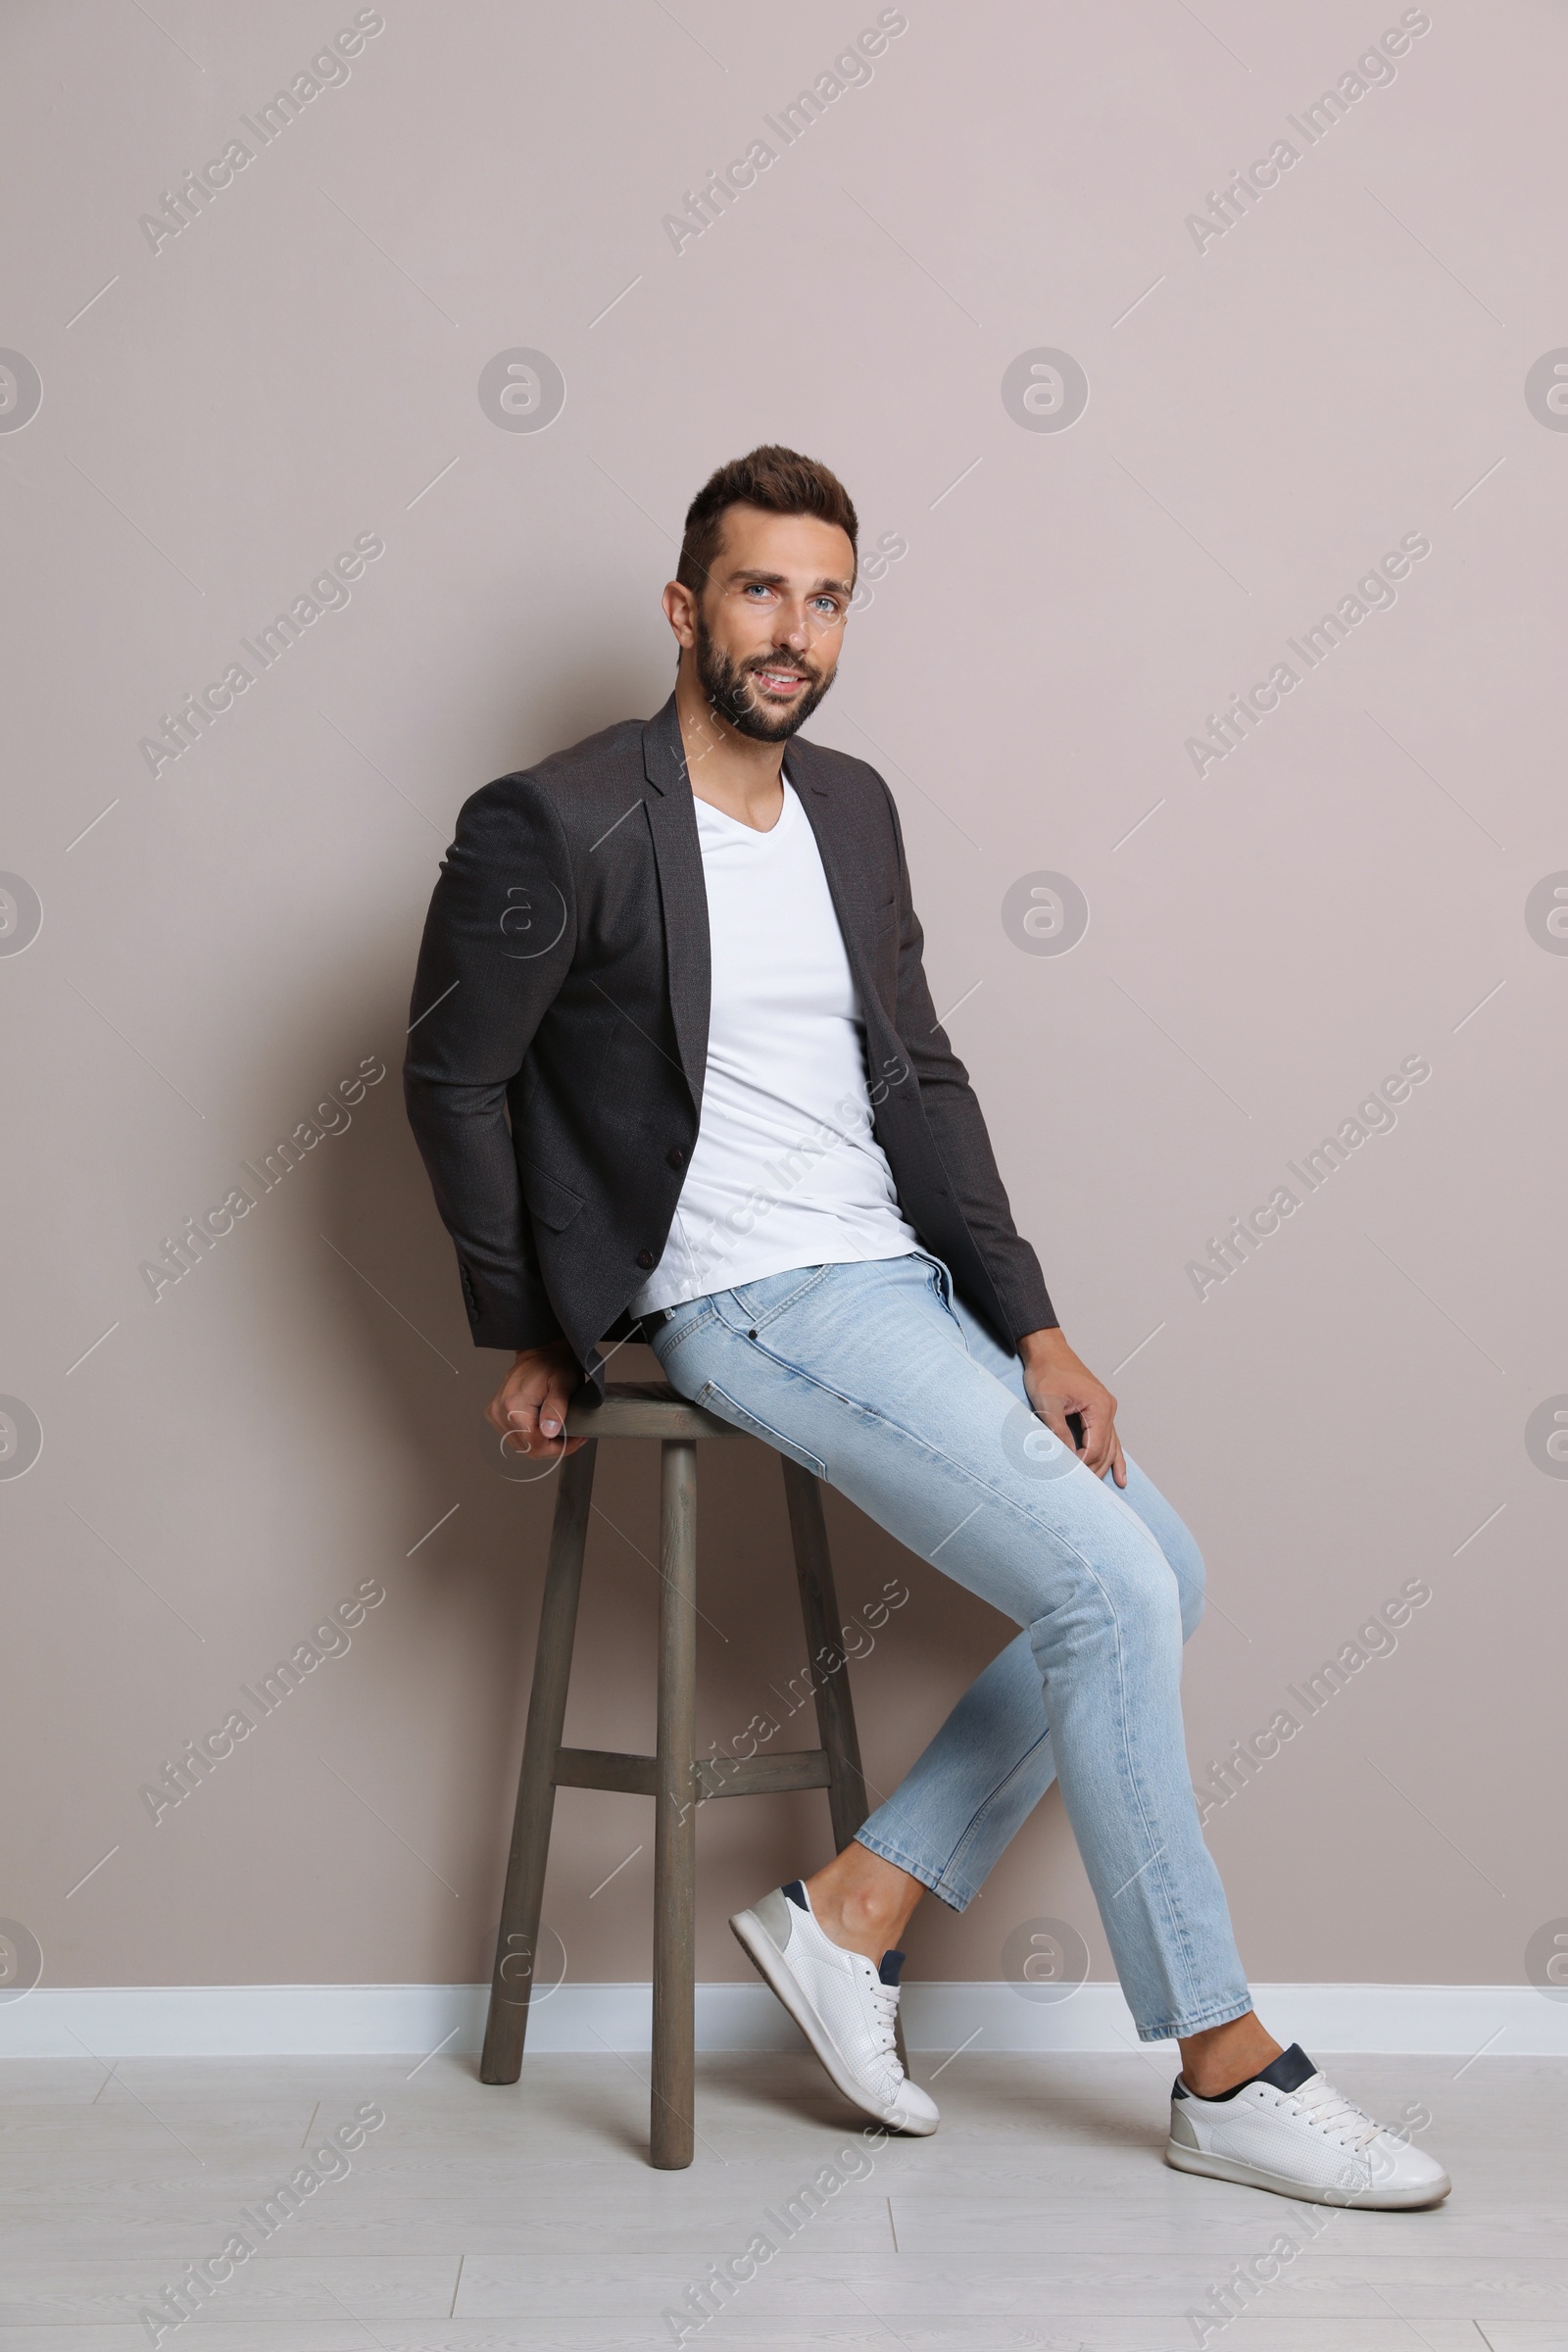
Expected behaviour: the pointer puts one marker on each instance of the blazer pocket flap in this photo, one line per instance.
(551, 1202)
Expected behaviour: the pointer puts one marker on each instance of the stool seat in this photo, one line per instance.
(676, 1778)
(644, 1408)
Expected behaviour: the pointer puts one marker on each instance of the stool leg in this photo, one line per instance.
(675, 1824)
(516, 1943)
(835, 1709)
(819, 1610)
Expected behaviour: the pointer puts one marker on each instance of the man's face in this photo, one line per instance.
(766, 631)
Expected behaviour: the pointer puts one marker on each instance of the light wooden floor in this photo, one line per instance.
(1040, 2215)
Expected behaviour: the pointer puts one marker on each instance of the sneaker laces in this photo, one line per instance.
(1329, 2111)
(884, 2024)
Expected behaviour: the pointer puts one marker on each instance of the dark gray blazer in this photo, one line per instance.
(562, 985)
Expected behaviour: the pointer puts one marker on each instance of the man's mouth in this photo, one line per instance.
(780, 681)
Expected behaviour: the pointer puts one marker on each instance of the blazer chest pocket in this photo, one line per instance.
(549, 1202)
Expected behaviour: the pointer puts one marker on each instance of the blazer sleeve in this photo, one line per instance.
(498, 944)
(958, 1129)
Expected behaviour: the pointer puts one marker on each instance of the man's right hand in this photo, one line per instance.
(529, 1409)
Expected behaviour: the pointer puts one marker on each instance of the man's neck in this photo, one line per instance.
(730, 770)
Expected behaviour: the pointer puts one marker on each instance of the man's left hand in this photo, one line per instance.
(1058, 1382)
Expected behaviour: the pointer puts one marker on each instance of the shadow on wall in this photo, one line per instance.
(399, 1283)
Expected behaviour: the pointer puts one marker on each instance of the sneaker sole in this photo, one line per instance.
(1251, 2176)
(771, 1965)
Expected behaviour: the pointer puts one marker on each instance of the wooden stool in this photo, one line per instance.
(675, 1777)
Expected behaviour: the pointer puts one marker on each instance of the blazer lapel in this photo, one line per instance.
(846, 883)
(672, 822)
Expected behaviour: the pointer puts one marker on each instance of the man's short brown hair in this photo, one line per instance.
(781, 482)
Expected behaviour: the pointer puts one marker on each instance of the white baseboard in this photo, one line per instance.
(252, 2020)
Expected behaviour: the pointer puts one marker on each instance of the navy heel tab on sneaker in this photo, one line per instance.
(1289, 2070)
(796, 1890)
(892, 1967)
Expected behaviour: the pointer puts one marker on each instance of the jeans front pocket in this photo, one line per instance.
(763, 1302)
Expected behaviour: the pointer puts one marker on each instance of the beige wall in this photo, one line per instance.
(1268, 938)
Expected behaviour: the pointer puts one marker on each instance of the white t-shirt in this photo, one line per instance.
(786, 1170)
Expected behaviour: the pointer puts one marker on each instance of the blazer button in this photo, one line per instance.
(645, 1258)
(677, 1156)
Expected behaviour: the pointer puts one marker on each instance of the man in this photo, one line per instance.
(674, 1067)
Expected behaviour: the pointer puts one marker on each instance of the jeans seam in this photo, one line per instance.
(971, 1827)
(957, 1893)
(1174, 1915)
(773, 1314)
(752, 1425)
(940, 1279)
(1177, 2029)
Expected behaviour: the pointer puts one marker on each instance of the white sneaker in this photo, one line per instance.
(1290, 2131)
(843, 2006)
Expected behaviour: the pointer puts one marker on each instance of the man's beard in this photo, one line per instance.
(729, 690)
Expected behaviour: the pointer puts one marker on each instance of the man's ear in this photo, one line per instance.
(678, 602)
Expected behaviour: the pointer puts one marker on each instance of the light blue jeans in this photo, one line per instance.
(882, 1383)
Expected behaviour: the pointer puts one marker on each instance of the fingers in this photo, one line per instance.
(1095, 1408)
(1053, 1413)
(1099, 1437)
(529, 1411)
(1101, 1449)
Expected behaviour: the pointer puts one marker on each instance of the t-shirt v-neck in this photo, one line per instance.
(786, 1170)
